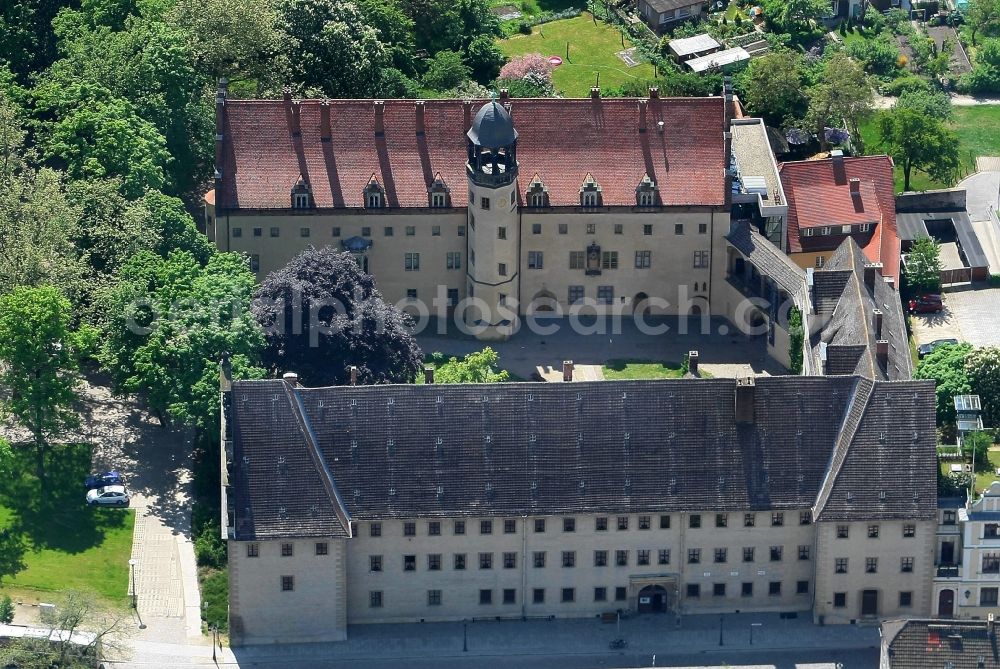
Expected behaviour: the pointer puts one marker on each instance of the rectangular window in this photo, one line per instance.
(409, 529)
(601, 524)
(749, 519)
(906, 564)
(254, 262)
(568, 595)
(694, 521)
(258, 232)
(776, 552)
(409, 563)
(840, 566)
(905, 599)
(459, 561)
(576, 294)
(275, 232)
(988, 596)
(539, 525)
(871, 565)
(335, 231)
(642, 557)
(909, 531)
(600, 558)
(536, 228)
(777, 519)
(839, 600)
(664, 522)
(642, 259)
(459, 527)
(538, 559)
(949, 518)
(287, 550)
(606, 294)
(843, 531)
(700, 259)
(748, 554)
(720, 554)
(576, 259)
(510, 560)
(622, 523)
(435, 231)
(805, 517)
(486, 560)
(452, 297)
(591, 228)
(484, 203)
(434, 596)
(375, 599)
(803, 552)
(237, 232)
(434, 562)
(820, 261)
(303, 232)
(693, 590)
(718, 589)
(678, 228)
(253, 550)
(411, 293)
(703, 228)
(388, 232)
(774, 588)
(991, 563)
(721, 520)
(643, 522)
(647, 229)
(619, 228)
(509, 526)
(485, 596)
(694, 555)
(600, 594)
(411, 231)
(501, 232)
(621, 594)
(486, 527)
(535, 259)
(569, 525)
(322, 548)
(454, 260)
(461, 231)
(434, 528)
(609, 260)
(873, 531)
(412, 262)
(509, 596)
(538, 596)
(801, 587)
(563, 228)
(663, 556)
(375, 530)
(365, 232)
(439, 200)
(374, 563)
(621, 558)
(569, 559)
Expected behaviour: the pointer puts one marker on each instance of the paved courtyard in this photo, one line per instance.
(971, 313)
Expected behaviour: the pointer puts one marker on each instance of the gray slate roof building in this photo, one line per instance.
(306, 461)
(939, 644)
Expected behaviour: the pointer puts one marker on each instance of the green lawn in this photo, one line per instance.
(616, 370)
(985, 478)
(214, 597)
(592, 50)
(52, 540)
(978, 130)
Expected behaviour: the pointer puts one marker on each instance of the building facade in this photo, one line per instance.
(364, 504)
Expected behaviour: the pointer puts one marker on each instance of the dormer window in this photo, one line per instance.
(590, 192)
(438, 193)
(301, 194)
(374, 194)
(807, 232)
(537, 194)
(645, 192)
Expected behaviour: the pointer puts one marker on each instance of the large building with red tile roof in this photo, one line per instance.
(840, 197)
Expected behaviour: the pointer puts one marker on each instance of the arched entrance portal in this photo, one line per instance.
(946, 604)
(653, 599)
(545, 301)
(640, 304)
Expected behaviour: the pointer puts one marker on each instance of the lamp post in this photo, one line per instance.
(133, 564)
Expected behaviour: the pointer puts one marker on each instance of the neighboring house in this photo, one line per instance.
(723, 61)
(686, 48)
(939, 644)
(366, 504)
(660, 14)
(832, 199)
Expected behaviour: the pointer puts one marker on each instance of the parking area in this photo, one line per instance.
(971, 313)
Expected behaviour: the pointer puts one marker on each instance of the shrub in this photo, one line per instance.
(531, 86)
(796, 340)
(994, 280)
(446, 71)
(209, 548)
(6, 610)
(522, 66)
(983, 78)
(905, 84)
(880, 55)
(902, 61)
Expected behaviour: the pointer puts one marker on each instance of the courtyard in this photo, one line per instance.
(971, 313)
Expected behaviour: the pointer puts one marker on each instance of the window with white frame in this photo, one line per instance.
(300, 200)
(411, 262)
(864, 227)
(845, 229)
(825, 230)
(807, 232)
(373, 200)
(535, 260)
(439, 200)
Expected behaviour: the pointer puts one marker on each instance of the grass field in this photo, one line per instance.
(978, 130)
(592, 50)
(52, 540)
(616, 370)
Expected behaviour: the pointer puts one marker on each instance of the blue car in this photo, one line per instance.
(101, 480)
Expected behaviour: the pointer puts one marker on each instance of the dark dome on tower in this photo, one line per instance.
(492, 127)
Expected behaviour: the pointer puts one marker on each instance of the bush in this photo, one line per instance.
(880, 55)
(215, 598)
(446, 71)
(525, 25)
(209, 548)
(532, 86)
(521, 66)
(906, 84)
(983, 78)
(994, 280)
(796, 341)
(6, 610)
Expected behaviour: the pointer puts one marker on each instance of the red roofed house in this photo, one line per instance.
(830, 200)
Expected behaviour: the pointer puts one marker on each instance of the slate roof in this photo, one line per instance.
(403, 451)
(936, 644)
(559, 139)
(770, 261)
(819, 195)
(492, 127)
(670, 5)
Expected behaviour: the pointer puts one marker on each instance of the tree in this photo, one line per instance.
(842, 94)
(935, 104)
(37, 352)
(946, 367)
(796, 339)
(976, 446)
(771, 87)
(918, 140)
(449, 24)
(880, 55)
(446, 71)
(332, 48)
(922, 270)
(395, 30)
(982, 16)
(792, 15)
(982, 366)
(321, 314)
(485, 59)
(172, 227)
(475, 367)
(6, 610)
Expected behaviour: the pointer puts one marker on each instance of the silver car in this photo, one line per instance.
(109, 495)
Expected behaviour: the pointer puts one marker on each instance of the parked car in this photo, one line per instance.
(926, 304)
(929, 347)
(101, 480)
(109, 495)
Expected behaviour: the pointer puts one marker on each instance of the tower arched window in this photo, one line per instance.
(646, 192)
(439, 196)
(537, 194)
(301, 194)
(590, 192)
(374, 194)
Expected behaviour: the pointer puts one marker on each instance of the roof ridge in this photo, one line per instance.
(848, 428)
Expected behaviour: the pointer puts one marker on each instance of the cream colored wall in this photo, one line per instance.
(486, 282)
(315, 611)
(889, 581)
(807, 260)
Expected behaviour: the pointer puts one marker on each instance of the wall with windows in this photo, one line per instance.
(287, 591)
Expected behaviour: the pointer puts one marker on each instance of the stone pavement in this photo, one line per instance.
(982, 191)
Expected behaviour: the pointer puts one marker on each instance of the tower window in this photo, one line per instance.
(374, 200)
(439, 200)
(484, 203)
(300, 201)
(589, 198)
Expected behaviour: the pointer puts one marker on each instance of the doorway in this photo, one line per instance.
(869, 602)
(653, 599)
(946, 604)
(640, 304)
(947, 553)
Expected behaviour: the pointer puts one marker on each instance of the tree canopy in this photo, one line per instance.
(918, 140)
(771, 87)
(946, 367)
(922, 269)
(476, 367)
(843, 92)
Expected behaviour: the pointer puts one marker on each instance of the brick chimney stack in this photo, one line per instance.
(567, 370)
(877, 323)
(855, 186)
(642, 115)
(744, 400)
(872, 271)
(654, 93)
(325, 131)
(882, 353)
(291, 378)
(419, 109)
(595, 92)
(379, 118)
(504, 95)
(428, 374)
(693, 363)
(353, 369)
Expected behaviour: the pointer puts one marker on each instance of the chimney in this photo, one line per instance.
(297, 118)
(428, 374)
(877, 323)
(693, 363)
(990, 619)
(353, 369)
(325, 131)
(744, 400)
(286, 95)
(839, 175)
(823, 355)
(654, 93)
(567, 370)
(504, 95)
(890, 281)
(379, 120)
(291, 378)
(595, 92)
(659, 127)
(727, 92)
(419, 108)
(882, 353)
(642, 116)
(855, 186)
(467, 112)
(727, 139)
(220, 130)
(872, 270)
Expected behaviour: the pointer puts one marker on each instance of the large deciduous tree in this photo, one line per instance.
(922, 270)
(982, 366)
(842, 94)
(322, 314)
(982, 16)
(946, 367)
(476, 367)
(793, 15)
(771, 87)
(38, 364)
(449, 24)
(918, 140)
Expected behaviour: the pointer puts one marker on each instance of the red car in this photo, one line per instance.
(926, 304)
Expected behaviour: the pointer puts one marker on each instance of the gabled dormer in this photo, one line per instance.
(374, 194)
(590, 192)
(646, 193)
(438, 195)
(302, 197)
(537, 195)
